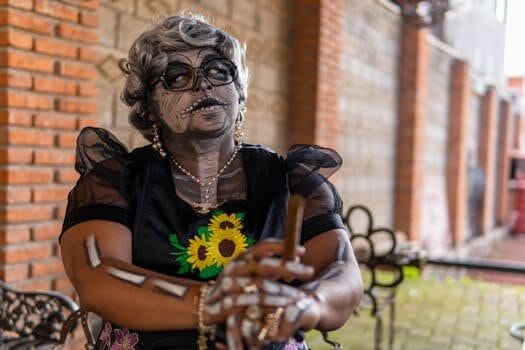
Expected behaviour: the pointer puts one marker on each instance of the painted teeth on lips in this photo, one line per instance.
(194, 106)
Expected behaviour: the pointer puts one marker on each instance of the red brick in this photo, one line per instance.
(26, 20)
(14, 234)
(76, 106)
(14, 272)
(60, 212)
(62, 284)
(15, 117)
(25, 213)
(77, 70)
(44, 283)
(23, 4)
(50, 193)
(77, 33)
(24, 99)
(66, 175)
(16, 39)
(89, 18)
(55, 121)
(55, 85)
(50, 266)
(56, 47)
(25, 175)
(67, 140)
(88, 54)
(57, 10)
(26, 136)
(87, 4)
(25, 252)
(27, 61)
(15, 194)
(53, 157)
(85, 122)
(15, 155)
(12, 78)
(87, 89)
(46, 231)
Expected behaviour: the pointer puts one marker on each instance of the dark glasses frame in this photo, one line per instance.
(196, 72)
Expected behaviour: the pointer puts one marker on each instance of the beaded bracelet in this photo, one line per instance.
(203, 329)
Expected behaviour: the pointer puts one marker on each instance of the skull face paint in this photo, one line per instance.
(204, 108)
(92, 251)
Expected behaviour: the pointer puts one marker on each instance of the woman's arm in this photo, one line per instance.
(97, 260)
(337, 286)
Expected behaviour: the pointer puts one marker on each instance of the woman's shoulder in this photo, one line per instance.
(96, 146)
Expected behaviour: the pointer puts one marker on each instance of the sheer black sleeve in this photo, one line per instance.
(102, 192)
(308, 170)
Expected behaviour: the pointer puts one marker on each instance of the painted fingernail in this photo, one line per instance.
(271, 287)
(272, 262)
(296, 267)
(227, 303)
(247, 299)
(214, 309)
(291, 313)
(272, 300)
(226, 284)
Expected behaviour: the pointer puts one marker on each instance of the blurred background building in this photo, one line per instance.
(411, 93)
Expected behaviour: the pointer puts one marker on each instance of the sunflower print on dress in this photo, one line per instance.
(213, 246)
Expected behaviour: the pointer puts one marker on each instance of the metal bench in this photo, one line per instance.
(32, 320)
(381, 261)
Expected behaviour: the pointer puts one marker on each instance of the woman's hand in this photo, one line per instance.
(247, 290)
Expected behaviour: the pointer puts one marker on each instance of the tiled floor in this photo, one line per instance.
(472, 312)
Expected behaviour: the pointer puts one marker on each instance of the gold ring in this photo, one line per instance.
(251, 288)
(271, 324)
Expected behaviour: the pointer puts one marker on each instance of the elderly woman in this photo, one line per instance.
(179, 244)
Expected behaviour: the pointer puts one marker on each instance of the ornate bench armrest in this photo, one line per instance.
(34, 314)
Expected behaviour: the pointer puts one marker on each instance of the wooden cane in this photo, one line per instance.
(292, 230)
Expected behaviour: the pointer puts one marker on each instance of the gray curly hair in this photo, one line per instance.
(148, 58)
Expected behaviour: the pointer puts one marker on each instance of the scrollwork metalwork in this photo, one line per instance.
(35, 317)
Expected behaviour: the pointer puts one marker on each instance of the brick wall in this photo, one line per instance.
(504, 145)
(434, 202)
(315, 72)
(457, 149)
(367, 106)
(263, 25)
(487, 154)
(414, 72)
(47, 73)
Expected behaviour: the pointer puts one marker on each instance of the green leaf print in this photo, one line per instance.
(174, 240)
(204, 232)
(184, 268)
(240, 216)
(210, 271)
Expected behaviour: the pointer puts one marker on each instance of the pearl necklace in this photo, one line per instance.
(205, 207)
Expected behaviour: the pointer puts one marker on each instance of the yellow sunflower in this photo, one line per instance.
(224, 222)
(225, 245)
(198, 252)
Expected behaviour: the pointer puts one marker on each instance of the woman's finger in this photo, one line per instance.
(233, 334)
(228, 286)
(268, 267)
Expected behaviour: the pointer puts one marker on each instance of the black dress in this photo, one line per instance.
(137, 189)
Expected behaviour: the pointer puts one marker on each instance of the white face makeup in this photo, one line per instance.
(171, 288)
(127, 276)
(204, 110)
(92, 251)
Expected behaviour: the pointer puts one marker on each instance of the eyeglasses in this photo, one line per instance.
(181, 76)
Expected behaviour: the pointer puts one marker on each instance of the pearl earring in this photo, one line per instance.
(157, 145)
(239, 129)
